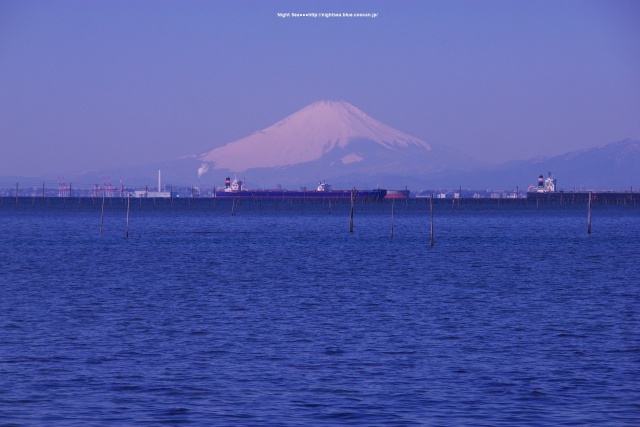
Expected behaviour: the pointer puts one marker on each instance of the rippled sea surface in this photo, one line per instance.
(279, 316)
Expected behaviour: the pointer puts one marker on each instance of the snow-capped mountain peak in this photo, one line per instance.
(308, 135)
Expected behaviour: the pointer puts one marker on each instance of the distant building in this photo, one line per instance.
(153, 194)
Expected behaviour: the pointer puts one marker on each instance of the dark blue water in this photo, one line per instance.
(279, 316)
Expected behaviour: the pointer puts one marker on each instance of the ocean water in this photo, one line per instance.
(277, 315)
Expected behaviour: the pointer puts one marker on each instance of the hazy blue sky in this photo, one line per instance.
(97, 84)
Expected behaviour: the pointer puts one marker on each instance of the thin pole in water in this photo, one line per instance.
(431, 212)
(128, 205)
(16, 194)
(393, 202)
(589, 215)
(102, 216)
(351, 216)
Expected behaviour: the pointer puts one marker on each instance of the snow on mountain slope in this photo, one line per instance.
(308, 135)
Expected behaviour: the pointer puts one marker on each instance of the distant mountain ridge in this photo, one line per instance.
(338, 143)
(614, 166)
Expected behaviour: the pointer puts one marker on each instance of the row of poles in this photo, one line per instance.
(234, 208)
(352, 210)
(127, 224)
(393, 204)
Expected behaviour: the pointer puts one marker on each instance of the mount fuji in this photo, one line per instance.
(333, 141)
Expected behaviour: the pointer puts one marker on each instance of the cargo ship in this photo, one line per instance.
(234, 189)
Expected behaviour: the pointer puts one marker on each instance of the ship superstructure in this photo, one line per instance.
(548, 185)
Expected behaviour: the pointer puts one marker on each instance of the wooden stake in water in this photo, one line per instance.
(589, 215)
(353, 193)
(234, 207)
(102, 216)
(128, 205)
(431, 212)
(16, 194)
(392, 206)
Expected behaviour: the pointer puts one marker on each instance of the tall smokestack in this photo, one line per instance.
(159, 183)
